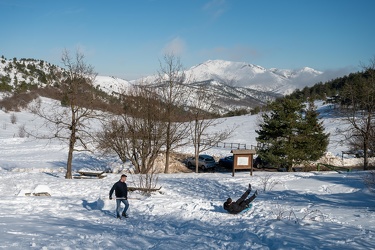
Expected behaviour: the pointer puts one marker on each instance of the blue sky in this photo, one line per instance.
(128, 38)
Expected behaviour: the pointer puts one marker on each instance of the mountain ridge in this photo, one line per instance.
(235, 85)
(243, 74)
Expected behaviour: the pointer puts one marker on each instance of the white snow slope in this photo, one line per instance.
(314, 210)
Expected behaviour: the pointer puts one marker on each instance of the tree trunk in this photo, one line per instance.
(167, 148)
(72, 142)
(365, 155)
(196, 147)
(70, 158)
(167, 152)
(196, 160)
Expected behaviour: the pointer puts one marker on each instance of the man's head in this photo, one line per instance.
(123, 178)
(227, 203)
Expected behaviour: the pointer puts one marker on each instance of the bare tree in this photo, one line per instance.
(70, 123)
(202, 119)
(174, 95)
(138, 134)
(358, 106)
(113, 138)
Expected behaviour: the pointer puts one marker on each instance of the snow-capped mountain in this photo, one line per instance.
(240, 85)
(111, 84)
(240, 74)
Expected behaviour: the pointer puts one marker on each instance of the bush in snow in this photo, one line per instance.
(268, 183)
(22, 131)
(13, 118)
(18, 101)
(147, 182)
(283, 213)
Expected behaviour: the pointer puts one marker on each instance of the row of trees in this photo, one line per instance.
(151, 118)
(291, 133)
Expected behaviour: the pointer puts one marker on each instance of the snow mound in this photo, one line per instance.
(41, 189)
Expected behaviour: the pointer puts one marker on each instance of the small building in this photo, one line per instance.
(243, 159)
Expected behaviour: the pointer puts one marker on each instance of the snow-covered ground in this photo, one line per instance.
(315, 210)
(302, 211)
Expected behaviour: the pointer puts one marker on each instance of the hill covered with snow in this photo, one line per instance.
(299, 210)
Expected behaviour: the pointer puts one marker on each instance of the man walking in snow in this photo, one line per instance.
(121, 192)
(241, 204)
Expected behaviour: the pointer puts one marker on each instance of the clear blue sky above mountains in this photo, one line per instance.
(128, 38)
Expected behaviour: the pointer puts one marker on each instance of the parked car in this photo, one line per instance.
(361, 153)
(226, 162)
(205, 162)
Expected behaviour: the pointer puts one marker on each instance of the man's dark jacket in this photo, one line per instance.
(234, 207)
(121, 190)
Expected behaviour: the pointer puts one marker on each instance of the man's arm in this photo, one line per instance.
(111, 191)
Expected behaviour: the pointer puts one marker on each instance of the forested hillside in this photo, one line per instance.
(329, 89)
(24, 80)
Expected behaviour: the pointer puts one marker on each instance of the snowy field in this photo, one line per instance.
(316, 210)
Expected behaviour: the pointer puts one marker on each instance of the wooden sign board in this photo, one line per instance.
(243, 159)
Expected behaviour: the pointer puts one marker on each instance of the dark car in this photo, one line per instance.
(259, 162)
(205, 162)
(226, 162)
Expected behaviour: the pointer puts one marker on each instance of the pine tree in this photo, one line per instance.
(313, 139)
(290, 134)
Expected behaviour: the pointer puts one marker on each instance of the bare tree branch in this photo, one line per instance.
(171, 84)
(358, 108)
(202, 107)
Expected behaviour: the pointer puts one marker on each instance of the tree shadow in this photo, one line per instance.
(52, 174)
(87, 161)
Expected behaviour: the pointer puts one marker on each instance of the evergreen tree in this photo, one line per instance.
(313, 141)
(290, 134)
(5, 83)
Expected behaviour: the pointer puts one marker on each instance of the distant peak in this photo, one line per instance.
(310, 70)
